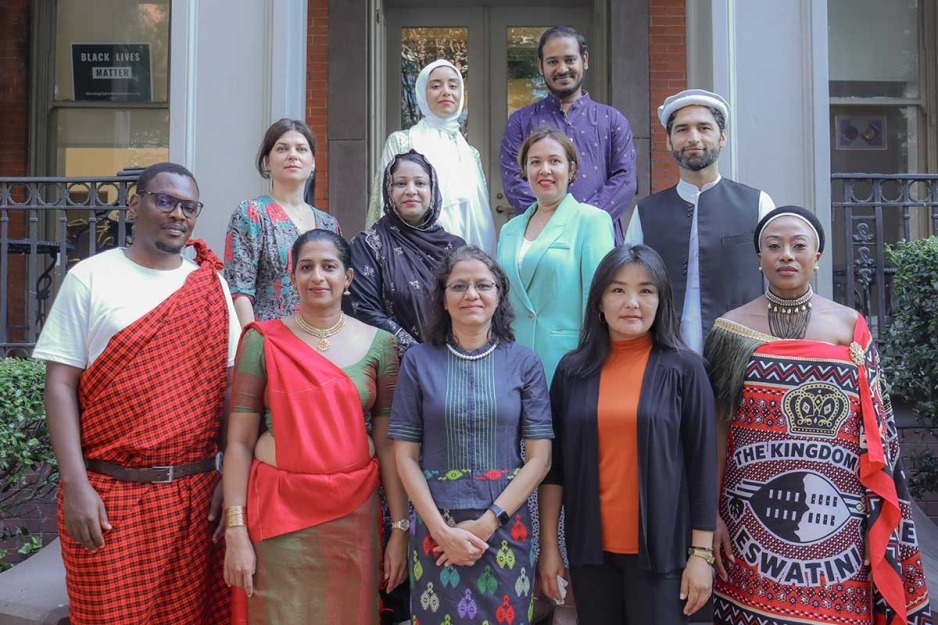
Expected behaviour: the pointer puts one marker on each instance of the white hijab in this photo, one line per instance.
(466, 211)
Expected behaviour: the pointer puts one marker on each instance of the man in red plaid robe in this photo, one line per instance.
(138, 344)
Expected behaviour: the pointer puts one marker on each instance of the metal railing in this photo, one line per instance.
(46, 226)
(871, 211)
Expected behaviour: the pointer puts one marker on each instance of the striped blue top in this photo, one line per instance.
(470, 417)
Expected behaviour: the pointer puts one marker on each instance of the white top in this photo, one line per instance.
(104, 294)
(525, 246)
(691, 319)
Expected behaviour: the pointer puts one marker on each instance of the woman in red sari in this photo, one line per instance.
(814, 522)
(301, 497)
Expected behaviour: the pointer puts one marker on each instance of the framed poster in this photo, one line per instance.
(860, 132)
(112, 72)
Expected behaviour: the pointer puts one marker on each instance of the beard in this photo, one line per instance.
(166, 248)
(560, 94)
(698, 162)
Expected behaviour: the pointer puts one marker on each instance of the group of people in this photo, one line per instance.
(691, 416)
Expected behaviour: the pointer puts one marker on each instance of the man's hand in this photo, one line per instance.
(85, 516)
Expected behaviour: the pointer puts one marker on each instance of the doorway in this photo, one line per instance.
(496, 50)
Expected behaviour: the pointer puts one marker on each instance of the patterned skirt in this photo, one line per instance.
(497, 589)
(327, 573)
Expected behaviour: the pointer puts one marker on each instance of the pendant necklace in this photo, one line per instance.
(788, 318)
(323, 335)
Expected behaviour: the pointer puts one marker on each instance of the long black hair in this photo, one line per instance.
(439, 324)
(590, 354)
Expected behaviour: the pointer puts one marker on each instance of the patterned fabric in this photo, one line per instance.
(257, 255)
(602, 135)
(497, 589)
(394, 263)
(304, 576)
(139, 408)
(812, 465)
(469, 417)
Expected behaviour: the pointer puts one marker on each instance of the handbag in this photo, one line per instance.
(547, 612)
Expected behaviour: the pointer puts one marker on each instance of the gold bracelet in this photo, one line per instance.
(235, 516)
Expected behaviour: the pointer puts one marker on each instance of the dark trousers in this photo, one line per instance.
(619, 592)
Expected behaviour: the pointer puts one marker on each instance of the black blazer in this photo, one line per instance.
(676, 459)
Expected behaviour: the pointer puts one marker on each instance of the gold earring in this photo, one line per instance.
(347, 292)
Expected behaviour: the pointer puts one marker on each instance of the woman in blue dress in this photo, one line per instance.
(464, 402)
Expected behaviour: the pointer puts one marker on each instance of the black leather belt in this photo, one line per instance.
(153, 475)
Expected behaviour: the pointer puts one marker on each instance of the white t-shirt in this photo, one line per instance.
(104, 294)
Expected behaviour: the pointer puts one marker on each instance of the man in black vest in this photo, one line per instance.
(703, 225)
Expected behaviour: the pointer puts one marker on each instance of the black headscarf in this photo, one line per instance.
(796, 211)
(410, 254)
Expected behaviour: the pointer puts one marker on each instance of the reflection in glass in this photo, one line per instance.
(112, 21)
(525, 85)
(873, 48)
(420, 46)
(101, 142)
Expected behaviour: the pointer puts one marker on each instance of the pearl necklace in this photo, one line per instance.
(323, 335)
(462, 356)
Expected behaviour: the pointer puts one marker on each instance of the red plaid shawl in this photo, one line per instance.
(155, 397)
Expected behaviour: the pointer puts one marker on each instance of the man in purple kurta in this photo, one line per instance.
(602, 135)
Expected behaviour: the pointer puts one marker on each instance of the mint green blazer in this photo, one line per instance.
(548, 291)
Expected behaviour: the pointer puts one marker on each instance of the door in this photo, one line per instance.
(496, 49)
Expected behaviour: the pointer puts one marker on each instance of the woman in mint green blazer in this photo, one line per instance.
(551, 251)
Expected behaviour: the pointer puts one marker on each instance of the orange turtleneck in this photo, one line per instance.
(620, 386)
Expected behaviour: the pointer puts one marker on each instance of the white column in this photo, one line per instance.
(236, 66)
(769, 60)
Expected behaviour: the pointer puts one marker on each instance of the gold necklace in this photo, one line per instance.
(323, 335)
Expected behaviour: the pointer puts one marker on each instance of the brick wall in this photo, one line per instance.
(317, 74)
(667, 60)
(14, 139)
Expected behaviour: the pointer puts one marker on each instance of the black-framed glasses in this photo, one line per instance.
(167, 203)
(480, 287)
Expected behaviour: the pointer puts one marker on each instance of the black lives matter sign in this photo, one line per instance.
(115, 72)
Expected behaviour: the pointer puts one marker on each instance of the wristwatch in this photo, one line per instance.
(403, 525)
(500, 514)
(702, 552)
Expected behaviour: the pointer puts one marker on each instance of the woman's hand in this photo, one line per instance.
(483, 527)
(549, 568)
(696, 584)
(240, 560)
(395, 559)
(459, 546)
(722, 544)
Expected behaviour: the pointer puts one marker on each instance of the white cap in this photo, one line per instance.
(691, 97)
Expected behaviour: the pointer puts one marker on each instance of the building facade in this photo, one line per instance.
(815, 86)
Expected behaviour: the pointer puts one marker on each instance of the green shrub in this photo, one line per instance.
(910, 357)
(27, 465)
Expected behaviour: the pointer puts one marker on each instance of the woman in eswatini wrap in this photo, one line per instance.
(815, 521)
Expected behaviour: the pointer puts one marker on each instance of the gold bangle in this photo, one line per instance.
(235, 516)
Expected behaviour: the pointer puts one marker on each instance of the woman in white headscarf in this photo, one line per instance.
(466, 213)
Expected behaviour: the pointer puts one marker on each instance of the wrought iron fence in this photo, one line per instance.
(46, 226)
(871, 211)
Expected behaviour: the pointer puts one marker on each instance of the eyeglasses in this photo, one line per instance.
(167, 203)
(480, 287)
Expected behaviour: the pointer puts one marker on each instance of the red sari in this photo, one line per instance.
(155, 397)
(312, 518)
(812, 471)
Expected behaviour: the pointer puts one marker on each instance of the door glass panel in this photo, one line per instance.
(420, 46)
(96, 142)
(873, 48)
(525, 85)
(101, 26)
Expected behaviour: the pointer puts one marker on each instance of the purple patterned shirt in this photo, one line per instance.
(603, 139)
